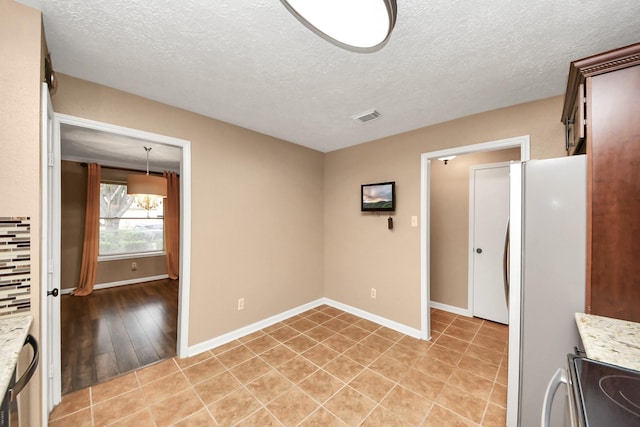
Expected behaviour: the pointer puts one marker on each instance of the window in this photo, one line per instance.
(129, 224)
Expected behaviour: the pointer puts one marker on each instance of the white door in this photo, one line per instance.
(489, 215)
(50, 275)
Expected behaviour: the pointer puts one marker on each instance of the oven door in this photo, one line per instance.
(605, 395)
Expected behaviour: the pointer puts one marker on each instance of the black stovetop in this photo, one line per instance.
(610, 395)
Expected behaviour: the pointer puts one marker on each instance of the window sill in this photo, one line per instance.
(130, 256)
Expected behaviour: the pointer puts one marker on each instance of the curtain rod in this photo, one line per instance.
(84, 165)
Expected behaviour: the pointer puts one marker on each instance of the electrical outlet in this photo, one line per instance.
(373, 293)
(134, 266)
(240, 303)
(414, 221)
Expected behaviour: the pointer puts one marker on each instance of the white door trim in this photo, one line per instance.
(472, 220)
(522, 142)
(48, 256)
(185, 224)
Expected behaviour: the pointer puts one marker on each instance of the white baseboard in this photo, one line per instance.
(451, 309)
(249, 329)
(407, 330)
(120, 283)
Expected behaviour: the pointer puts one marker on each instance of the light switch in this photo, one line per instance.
(414, 221)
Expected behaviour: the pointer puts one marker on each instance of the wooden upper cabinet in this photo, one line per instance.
(611, 84)
(575, 124)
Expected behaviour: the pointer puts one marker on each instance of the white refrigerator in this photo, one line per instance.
(547, 263)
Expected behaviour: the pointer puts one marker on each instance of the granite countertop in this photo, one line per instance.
(14, 329)
(609, 340)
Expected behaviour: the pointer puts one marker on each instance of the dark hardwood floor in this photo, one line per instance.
(117, 330)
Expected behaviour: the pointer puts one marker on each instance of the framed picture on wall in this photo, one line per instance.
(378, 197)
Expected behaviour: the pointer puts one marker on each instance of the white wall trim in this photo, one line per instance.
(184, 292)
(523, 142)
(117, 257)
(249, 329)
(185, 208)
(119, 130)
(49, 259)
(185, 214)
(254, 327)
(407, 330)
(425, 238)
(119, 283)
(451, 309)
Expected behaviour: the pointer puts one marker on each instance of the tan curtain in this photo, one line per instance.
(172, 225)
(91, 233)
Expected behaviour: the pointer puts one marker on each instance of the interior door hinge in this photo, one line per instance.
(51, 159)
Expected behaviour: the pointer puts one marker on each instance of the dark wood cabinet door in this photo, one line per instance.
(575, 126)
(614, 106)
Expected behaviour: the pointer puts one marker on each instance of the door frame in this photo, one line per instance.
(47, 256)
(51, 204)
(522, 142)
(472, 221)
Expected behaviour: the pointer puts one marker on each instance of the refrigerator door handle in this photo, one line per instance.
(505, 265)
(560, 377)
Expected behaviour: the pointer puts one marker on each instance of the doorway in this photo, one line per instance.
(51, 253)
(522, 143)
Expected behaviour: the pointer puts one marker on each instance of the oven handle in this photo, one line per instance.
(560, 377)
(24, 379)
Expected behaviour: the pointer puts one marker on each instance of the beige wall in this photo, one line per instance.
(269, 223)
(20, 111)
(20, 55)
(257, 208)
(450, 224)
(360, 253)
(74, 196)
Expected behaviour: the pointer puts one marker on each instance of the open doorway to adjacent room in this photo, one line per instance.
(445, 239)
(448, 248)
(136, 315)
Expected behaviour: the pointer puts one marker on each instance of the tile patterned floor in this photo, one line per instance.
(324, 367)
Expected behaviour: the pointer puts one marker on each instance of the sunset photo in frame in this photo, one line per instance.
(378, 197)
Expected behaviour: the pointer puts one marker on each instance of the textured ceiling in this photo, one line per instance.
(251, 63)
(89, 145)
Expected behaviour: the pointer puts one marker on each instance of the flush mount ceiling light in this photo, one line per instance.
(446, 159)
(357, 25)
(147, 184)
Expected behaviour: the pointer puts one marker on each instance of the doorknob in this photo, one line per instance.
(479, 250)
(54, 292)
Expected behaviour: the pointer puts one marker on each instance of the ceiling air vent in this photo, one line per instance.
(366, 117)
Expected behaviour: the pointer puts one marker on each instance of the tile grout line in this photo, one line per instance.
(322, 368)
(321, 405)
(146, 400)
(488, 401)
(193, 386)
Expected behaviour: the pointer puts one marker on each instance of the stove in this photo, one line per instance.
(604, 395)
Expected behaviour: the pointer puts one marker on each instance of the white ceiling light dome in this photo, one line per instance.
(357, 25)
